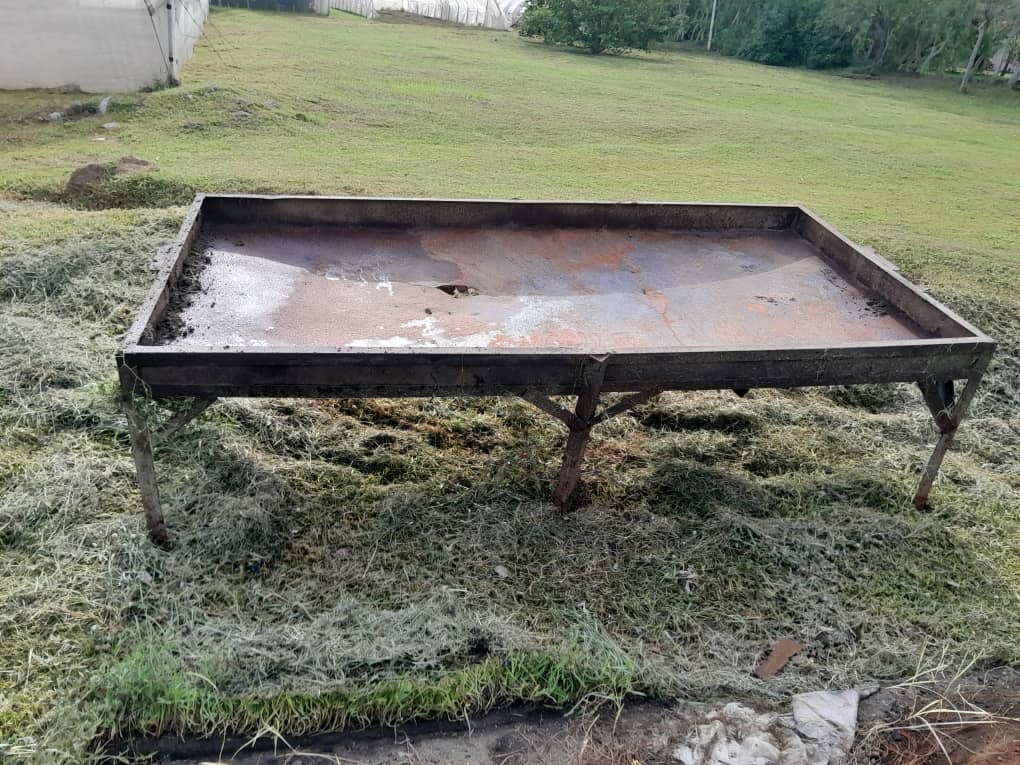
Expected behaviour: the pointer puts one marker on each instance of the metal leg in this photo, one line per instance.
(931, 470)
(581, 421)
(573, 454)
(938, 397)
(589, 383)
(141, 448)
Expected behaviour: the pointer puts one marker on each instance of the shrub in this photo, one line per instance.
(774, 39)
(597, 25)
(535, 20)
(796, 33)
(827, 47)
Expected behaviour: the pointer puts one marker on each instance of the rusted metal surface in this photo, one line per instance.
(594, 290)
(320, 296)
(302, 296)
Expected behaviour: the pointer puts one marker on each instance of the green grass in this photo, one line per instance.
(156, 690)
(336, 561)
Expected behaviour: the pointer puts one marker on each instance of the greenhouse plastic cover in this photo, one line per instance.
(481, 13)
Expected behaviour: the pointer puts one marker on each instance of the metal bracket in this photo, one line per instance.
(625, 404)
(180, 419)
(551, 408)
(580, 422)
(573, 422)
(940, 398)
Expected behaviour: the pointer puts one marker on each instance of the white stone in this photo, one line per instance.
(827, 716)
(737, 735)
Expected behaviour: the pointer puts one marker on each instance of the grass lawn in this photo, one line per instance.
(336, 560)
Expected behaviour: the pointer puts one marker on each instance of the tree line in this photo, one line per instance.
(915, 36)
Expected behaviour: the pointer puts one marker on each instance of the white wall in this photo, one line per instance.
(95, 45)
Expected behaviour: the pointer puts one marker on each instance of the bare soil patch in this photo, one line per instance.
(643, 732)
(86, 178)
(975, 722)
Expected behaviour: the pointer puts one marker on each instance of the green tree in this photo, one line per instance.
(879, 35)
(792, 33)
(775, 39)
(597, 25)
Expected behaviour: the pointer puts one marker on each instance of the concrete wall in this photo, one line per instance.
(98, 46)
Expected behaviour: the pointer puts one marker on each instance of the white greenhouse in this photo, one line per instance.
(97, 45)
(480, 13)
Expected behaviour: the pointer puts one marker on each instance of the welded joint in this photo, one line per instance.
(550, 407)
(591, 372)
(573, 422)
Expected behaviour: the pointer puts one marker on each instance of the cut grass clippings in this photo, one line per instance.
(347, 562)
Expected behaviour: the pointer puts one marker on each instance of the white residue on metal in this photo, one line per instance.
(391, 342)
(534, 313)
(238, 291)
(246, 342)
(435, 335)
(362, 275)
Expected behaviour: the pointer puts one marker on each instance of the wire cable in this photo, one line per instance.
(162, 53)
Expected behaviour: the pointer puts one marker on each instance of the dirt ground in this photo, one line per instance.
(974, 720)
(642, 733)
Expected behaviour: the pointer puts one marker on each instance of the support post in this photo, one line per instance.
(580, 431)
(171, 60)
(141, 449)
(711, 24)
(938, 397)
(573, 453)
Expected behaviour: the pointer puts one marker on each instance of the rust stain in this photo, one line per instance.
(625, 262)
(658, 300)
(526, 287)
